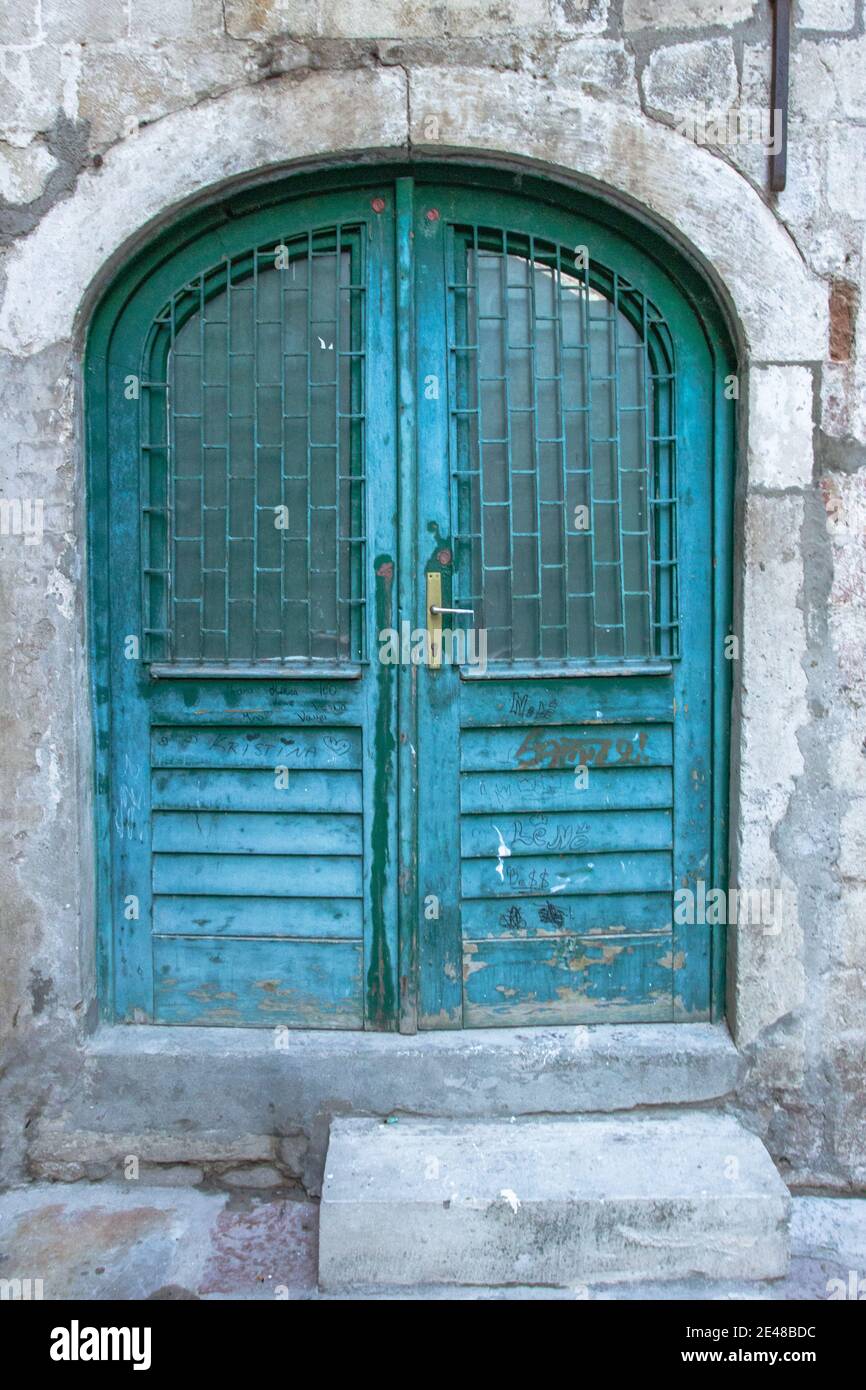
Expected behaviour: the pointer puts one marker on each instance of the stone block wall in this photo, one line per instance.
(114, 112)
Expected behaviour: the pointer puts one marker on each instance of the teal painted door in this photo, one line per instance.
(305, 410)
(565, 398)
(250, 523)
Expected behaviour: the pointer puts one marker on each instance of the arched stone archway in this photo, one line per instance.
(779, 305)
(776, 306)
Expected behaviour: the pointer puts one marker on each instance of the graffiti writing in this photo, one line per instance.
(538, 832)
(513, 919)
(551, 913)
(535, 709)
(539, 751)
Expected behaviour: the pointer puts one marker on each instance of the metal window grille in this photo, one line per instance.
(563, 437)
(252, 417)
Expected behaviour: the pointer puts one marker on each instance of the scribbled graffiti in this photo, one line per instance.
(531, 708)
(126, 812)
(550, 914)
(260, 747)
(527, 881)
(538, 832)
(513, 919)
(564, 750)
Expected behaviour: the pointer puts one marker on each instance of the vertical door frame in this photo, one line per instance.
(440, 953)
(407, 581)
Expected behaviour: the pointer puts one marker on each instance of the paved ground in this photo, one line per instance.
(93, 1241)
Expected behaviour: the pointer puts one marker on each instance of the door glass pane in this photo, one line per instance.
(562, 452)
(252, 488)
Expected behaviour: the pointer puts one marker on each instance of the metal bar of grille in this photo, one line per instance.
(617, 443)
(283, 491)
(529, 273)
(559, 359)
(309, 440)
(648, 482)
(586, 330)
(506, 411)
(342, 592)
(202, 320)
(171, 498)
(226, 494)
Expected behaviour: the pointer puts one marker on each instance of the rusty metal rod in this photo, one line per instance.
(779, 94)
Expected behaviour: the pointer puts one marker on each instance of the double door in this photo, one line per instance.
(408, 625)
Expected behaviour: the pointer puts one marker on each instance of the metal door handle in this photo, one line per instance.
(434, 617)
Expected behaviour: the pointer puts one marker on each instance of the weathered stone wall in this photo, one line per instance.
(114, 112)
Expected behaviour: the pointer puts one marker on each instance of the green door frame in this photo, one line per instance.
(667, 274)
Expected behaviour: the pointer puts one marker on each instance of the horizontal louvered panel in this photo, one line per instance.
(255, 916)
(265, 875)
(560, 874)
(301, 984)
(567, 746)
(567, 980)
(262, 706)
(246, 790)
(262, 832)
(222, 747)
(514, 703)
(596, 913)
(606, 789)
(565, 833)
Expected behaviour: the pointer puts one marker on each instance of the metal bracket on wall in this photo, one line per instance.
(779, 94)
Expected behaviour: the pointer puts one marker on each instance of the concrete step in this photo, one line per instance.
(212, 1083)
(555, 1202)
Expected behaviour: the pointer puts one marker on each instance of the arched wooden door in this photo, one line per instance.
(317, 416)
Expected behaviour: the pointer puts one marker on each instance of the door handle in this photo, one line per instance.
(434, 617)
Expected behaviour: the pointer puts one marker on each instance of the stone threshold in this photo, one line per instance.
(466, 1071)
(191, 1083)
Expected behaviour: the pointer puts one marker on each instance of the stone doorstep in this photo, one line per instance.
(205, 1095)
(557, 1202)
(150, 1077)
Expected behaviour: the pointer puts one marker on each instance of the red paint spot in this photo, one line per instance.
(432, 214)
(378, 204)
(444, 557)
